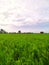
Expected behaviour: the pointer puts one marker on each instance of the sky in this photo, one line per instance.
(24, 15)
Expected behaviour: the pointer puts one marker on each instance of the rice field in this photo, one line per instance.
(24, 49)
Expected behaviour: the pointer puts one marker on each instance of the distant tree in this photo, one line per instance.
(41, 32)
(2, 31)
(12, 32)
(19, 31)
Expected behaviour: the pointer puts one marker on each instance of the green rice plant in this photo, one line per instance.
(24, 49)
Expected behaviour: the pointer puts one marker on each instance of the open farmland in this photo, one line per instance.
(24, 49)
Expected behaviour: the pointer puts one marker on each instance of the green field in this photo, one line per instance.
(24, 49)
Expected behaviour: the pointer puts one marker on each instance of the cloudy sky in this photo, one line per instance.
(24, 15)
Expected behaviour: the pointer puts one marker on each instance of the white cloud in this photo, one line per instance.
(23, 12)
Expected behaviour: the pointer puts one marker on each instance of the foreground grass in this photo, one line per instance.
(24, 49)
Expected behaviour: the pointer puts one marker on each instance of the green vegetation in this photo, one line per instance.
(24, 49)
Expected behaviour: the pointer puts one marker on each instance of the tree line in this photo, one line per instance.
(3, 31)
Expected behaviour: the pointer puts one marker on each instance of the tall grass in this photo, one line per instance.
(24, 49)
